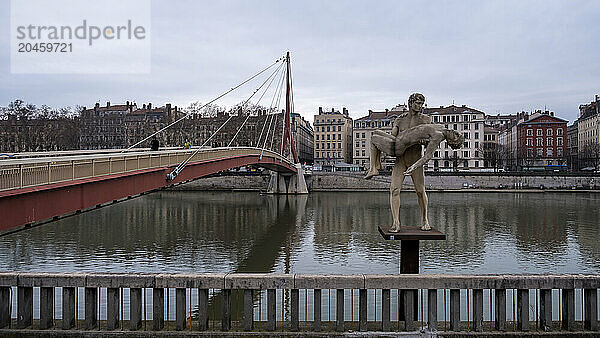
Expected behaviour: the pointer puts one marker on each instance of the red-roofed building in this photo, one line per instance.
(538, 142)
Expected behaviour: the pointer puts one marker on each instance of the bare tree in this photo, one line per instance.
(590, 154)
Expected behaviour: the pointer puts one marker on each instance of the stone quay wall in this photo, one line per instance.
(323, 181)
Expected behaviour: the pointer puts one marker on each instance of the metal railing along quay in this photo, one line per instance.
(445, 304)
(29, 172)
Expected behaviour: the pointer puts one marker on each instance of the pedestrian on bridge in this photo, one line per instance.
(154, 144)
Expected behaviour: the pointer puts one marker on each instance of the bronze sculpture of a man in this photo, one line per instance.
(380, 141)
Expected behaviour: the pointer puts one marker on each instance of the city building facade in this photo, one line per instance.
(303, 135)
(363, 129)
(573, 147)
(491, 152)
(536, 142)
(588, 134)
(333, 137)
(469, 122)
(121, 126)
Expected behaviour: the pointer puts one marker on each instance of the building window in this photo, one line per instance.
(317, 137)
(466, 153)
(340, 145)
(364, 143)
(476, 164)
(339, 136)
(357, 154)
(339, 154)
(549, 140)
(363, 135)
(436, 154)
(540, 132)
(436, 119)
(559, 141)
(357, 135)
(339, 128)
(465, 118)
(363, 153)
(476, 135)
(357, 144)
(466, 144)
(317, 146)
(328, 129)
(559, 151)
(529, 132)
(529, 152)
(476, 126)
(454, 127)
(333, 145)
(466, 135)
(465, 126)
(549, 152)
(540, 142)
(328, 146)
(530, 142)
(327, 137)
(549, 132)
(540, 152)
(476, 153)
(559, 132)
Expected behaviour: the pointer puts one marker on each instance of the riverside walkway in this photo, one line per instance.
(293, 304)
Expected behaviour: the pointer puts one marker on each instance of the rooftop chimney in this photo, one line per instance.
(107, 104)
(332, 110)
(597, 97)
(149, 105)
(144, 106)
(464, 106)
(127, 104)
(97, 105)
(345, 111)
(320, 110)
(168, 105)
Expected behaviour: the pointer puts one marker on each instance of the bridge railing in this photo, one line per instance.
(22, 173)
(296, 302)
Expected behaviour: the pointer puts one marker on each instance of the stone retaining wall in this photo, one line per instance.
(320, 181)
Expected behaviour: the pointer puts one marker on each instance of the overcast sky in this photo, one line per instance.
(496, 56)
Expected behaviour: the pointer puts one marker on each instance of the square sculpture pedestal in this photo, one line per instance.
(409, 252)
(411, 234)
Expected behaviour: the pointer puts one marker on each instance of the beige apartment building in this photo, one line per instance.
(469, 122)
(333, 137)
(363, 129)
(588, 133)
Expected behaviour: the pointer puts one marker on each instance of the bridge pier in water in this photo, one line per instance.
(288, 183)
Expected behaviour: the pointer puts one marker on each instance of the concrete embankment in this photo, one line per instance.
(321, 181)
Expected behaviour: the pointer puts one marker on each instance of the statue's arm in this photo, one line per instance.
(395, 130)
(434, 142)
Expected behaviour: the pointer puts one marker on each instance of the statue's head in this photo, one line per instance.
(454, 139)
(414, 97)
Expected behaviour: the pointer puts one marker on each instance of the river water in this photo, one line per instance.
(336, 232)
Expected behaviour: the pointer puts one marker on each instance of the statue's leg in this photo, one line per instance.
(395, 189)
(380, 141)
(418, 177)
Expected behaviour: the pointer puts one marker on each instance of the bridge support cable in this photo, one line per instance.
(206, 104)
(182, 165)
(270, 111)
(274, 115)
(271, 78)
(271, 146)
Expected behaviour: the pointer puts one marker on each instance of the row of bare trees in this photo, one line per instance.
(27, 127)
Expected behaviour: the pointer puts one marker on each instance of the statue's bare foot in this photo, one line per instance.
(426, 227)
(371, 173)
(394, 228)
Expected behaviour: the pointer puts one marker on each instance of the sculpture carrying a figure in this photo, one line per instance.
(409, 132)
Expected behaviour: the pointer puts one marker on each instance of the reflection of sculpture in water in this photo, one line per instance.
(409, 132)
